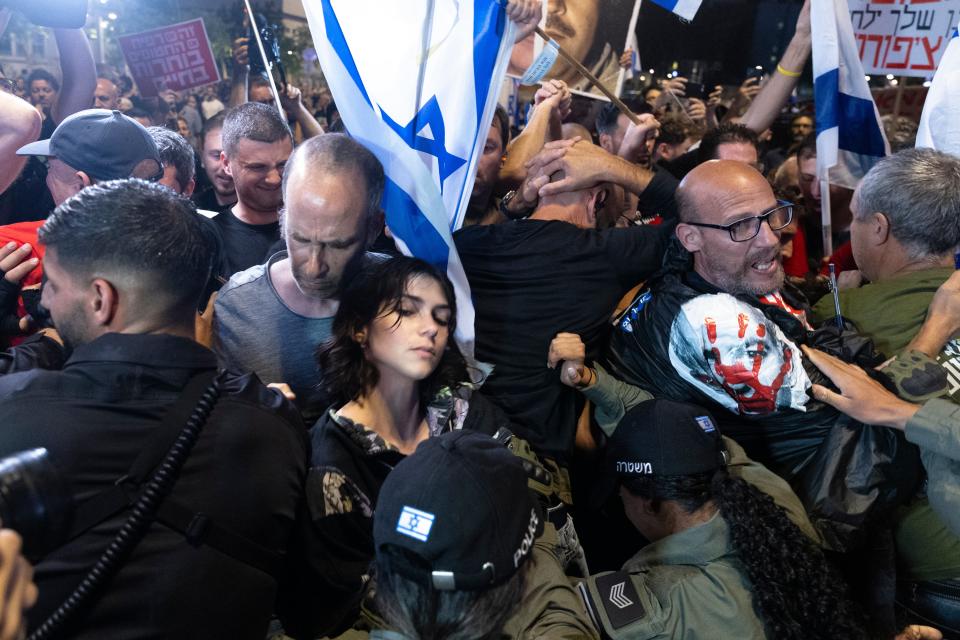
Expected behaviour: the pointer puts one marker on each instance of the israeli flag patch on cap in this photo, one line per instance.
(706, 424)
(415, 523)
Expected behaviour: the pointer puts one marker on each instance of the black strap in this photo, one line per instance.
(111, 501)
(197, 528)
(173, 422)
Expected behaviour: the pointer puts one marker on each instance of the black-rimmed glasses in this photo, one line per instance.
(747, 228)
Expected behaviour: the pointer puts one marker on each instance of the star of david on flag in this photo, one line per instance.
(416, 82)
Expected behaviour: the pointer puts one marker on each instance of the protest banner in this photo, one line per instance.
(903, 37)
(174, 57)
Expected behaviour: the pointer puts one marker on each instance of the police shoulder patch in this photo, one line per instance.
(619, 599)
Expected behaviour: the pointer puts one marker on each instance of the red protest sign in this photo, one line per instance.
(174, 57)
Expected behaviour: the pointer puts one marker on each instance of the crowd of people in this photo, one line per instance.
(669, 426)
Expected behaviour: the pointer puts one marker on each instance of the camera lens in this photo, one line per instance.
(34, 501)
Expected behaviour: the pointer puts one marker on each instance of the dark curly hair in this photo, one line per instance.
(415, 609)
(377, 290)
(796, 593)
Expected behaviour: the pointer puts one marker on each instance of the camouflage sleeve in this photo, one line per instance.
(936, 430)
(917, 377)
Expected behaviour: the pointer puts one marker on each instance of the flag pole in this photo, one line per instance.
(899, 97)
(263, 54)
(624, 109)
(826, 220)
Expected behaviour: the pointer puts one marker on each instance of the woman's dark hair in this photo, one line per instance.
(374, 291)
(796, 593)
(415, 609)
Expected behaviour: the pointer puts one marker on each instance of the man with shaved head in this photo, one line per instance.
(269, 318)
(720, 328)
(723, 206)
(106, 95)
(560, 269)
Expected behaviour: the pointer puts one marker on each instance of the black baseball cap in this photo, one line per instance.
(457, 514)
(661, 438)
(106, 145)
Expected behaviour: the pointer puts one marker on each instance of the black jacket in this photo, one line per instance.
(246, 473)
(847, 474)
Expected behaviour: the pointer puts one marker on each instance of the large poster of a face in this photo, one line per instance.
(595, 32)
(734, 354)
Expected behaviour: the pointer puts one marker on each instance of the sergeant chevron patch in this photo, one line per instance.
(620, 599)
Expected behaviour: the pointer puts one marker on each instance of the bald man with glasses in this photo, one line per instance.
(720, 327)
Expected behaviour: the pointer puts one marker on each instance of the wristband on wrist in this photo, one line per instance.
(512, 212)
(788, 73)
(591, 378)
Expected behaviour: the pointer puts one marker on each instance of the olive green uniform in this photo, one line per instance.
(688, 585)
(550, 609)
(935, 429)
(891, 312)
(612, 398)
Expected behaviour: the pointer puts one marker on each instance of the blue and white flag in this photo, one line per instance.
(850, 137)
(686, 9)
(416, 82)
(940, 121)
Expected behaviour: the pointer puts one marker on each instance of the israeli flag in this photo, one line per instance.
(686, 9)
(416, 82)
(415, 523)
(940, 121)
(850, 138)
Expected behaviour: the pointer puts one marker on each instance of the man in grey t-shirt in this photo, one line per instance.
(270, 318)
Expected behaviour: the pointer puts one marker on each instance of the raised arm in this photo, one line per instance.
(79, 73)
(551, 104)
(768, 103)
(239, 78)
(292, 102)
(19, 124)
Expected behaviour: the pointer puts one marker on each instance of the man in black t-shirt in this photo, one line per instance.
(554, 271)
(256, 145)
